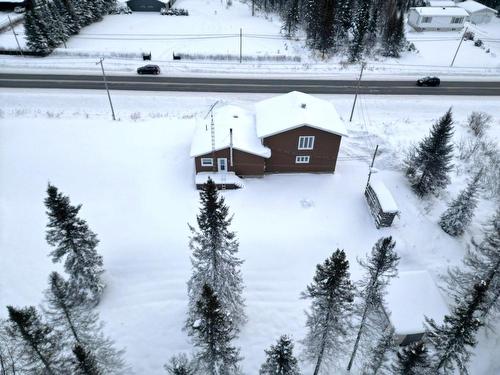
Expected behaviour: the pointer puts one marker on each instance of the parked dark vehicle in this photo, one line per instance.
(174, 12)
(148, 69)
(429, 81)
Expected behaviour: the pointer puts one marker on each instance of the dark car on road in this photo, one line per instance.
(148, 69)
(429, 81)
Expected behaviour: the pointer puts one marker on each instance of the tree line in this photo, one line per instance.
(49, 23)
(355, 28)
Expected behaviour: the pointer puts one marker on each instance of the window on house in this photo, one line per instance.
(306, 142)
(207, 162)
(457, 20)
(426, 19)
(302, 159)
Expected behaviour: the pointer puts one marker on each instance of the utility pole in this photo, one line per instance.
(459, 44)
(107, 88)
(15, 36)
(241, 44)
(253, 8)
(357, 89)
(371, 166)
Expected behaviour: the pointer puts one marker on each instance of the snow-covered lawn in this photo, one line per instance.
(135, 180)
(213, 28)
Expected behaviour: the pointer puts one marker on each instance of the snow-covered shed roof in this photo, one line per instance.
(441, 3)
(473, 6)
(289, 111)
(226, 118)
(441, 11)
(384, 196)
(412, 296)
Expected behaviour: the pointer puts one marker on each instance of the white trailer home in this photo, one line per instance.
(437, 18)
(478, 13)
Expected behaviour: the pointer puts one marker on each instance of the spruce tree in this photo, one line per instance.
(41, 345)
(453, 340)
(35, 39)
(214, 257)
(80, 325)
(72, 238)
(380, 267)
(412, 360)
(393, 36)
(212, 334)
(10, 353)
(481, 262)
(180, 365)
(428, 166)
(280, 359)
(376, 363)
(459, 214)
(291, 17)
(85, 363)
(328, 322)
(360, 29)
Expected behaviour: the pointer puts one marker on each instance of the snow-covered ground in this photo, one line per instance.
(213, 28)
(136, 182)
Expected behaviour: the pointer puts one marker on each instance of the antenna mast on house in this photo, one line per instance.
(212, 133)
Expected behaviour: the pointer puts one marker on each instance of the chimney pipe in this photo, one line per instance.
(231, 147)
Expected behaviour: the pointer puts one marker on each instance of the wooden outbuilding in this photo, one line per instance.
(382, 205)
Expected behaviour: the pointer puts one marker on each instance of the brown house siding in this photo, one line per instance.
(284, 149)
(244, 164)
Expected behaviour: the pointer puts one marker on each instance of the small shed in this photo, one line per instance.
(148, 5)
(410, 298)
(382, 205)
(478, 13)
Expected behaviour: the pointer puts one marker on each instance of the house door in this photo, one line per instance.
(222, 164)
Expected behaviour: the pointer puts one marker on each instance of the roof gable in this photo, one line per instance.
(289, 111)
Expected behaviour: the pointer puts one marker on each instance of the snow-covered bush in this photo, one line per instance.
(479, 123)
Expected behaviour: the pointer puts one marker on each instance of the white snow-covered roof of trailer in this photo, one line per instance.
(289, 111)
(442, 3)
(225, 118)
(441, 11)
(412, 296)
(473, 6)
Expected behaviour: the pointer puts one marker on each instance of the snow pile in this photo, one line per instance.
(225, 178)
(288, 111)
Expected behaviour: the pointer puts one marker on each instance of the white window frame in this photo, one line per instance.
(306, 142)
(302, 159)
(457, 20)
(426, 19)
(207, 162)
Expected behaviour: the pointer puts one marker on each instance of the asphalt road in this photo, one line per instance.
(246, 85)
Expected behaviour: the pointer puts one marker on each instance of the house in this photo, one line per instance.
(302, 132)
(478, 13)
(149, 5)
(437, 18)
(410, 298)
(294, 132)
(439, 3)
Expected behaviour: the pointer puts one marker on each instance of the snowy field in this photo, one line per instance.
(212, 28)
(135, 180)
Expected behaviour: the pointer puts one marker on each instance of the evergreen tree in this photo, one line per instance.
(393, 35)
(428, 165)
(361, 23)
(343, 19)
(481, 262)
(214, 258)
(459, 214)
(412, 360)
(377, 362)
(35, 39)
(10, 355)
(291, 17)
(280, 359)
(328, 323)
(381, 267)
(212, 332)
(453, 340)
(72, 238)
(180, 365)
(85, 363)
(41, 346)
(58, 27)
(80, 325)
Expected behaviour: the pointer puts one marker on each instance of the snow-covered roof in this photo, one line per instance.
(289, 111)
(384, 196)
(441, 3)
(441, 11)
(225, 118)
(412, 296)
(473, 6)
